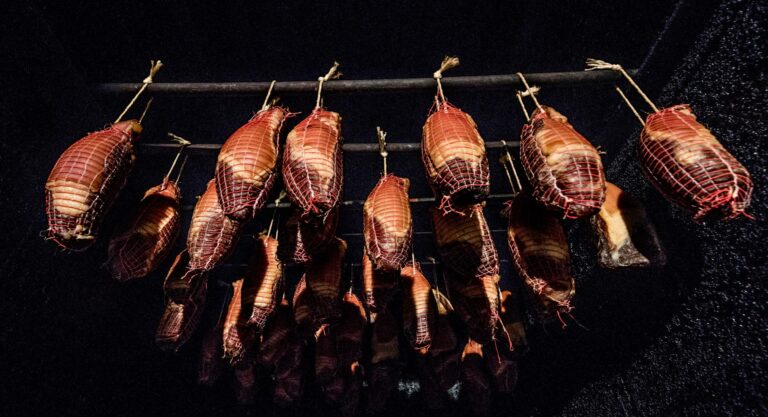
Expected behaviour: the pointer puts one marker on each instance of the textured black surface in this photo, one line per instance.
(688, 339)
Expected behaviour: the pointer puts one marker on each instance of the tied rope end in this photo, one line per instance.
(178, 139)
(154, 67)
(332, 74)
(530, 92)
(448, 63)
(598, 64)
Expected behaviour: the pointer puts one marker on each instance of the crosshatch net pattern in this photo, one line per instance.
(454, 157)
(540, 253)
(147, 238)
(313, 167)
(564, 169)
(477, 304)
(247, 165)
(419, 308)
(465, 243)
(298, 242)
(180, 318)
(84, 183)
(324, 281)
(687, 164)
(264, 275)
(237, 335)
(212, 235)
(387, 223)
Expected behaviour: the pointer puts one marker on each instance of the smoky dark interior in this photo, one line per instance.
(684, 339)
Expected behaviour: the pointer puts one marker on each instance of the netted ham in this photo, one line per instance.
(477, 305)
(313, 170)
(238, 337)
(144, 242)
(540, 254)
(185, 292)
(625, 235)
(385, 366)
(210, 365)
(212, 235)
(349, 339)
(245, 382)
(387, 224)
(444, 352)
(324, 282)
(264, 275)
(465, 243)
(564, 169)
(418, 307)
(475, 381)
(247, 166)
(687, 164)
(289, 375)
(306, 326)
(501, 358)
(454, 157)
(300, 241)
(85, 181)
(378, 288)
(275, 336)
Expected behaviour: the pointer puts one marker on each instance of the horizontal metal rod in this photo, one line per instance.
(353, 86)
(348, 147)
(361, 202)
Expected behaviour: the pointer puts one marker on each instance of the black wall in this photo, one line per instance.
(688, 339)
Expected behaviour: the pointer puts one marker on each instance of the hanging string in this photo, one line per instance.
(183, 143)
(507, 157)
(631, 107)
(275, 212)
(530, 91)
(382, 136)
(146, 109)
(434, 271)
(181, 169)
(596, 64)
(153, 69)
(332, 74)
(519, 96)
(448, 63)
(269, 93)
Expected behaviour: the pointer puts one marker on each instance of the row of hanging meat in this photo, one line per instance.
(678, 155)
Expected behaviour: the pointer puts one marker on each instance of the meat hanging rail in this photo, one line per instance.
(357, 86)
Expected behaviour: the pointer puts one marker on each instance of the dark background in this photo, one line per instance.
(687, 339)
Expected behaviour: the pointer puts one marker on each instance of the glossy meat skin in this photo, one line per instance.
(564, 169)
(477, 305)
(182, 312)
(300, 241)
(247, 165)
(278, 330)
(238, 337)
(303, 314)
(313, 171)
(85, 182)
(454, 158)
(212, 235)
(625, 235)
(144, 242)
(419, 307)
(324, 282)
(264, 275)
(687, 164)
(378, 288)
(465, 243)
(349, 339)
(387, 224)
(540, 254)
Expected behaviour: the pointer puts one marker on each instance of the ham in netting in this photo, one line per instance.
(298, 241)
(144, 242)
(687, 164)
(564, 169)
(324, 282)
(454, 157)
(419, 307)
(387, 224)
(313, 170)
(247, 166)
(540, 254)
(465, 243)
(86, 181)
(212, 235)
(185, 293)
